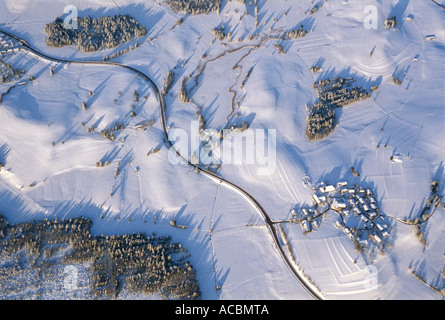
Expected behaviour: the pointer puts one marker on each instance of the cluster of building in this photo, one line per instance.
(8, 73)
(359, 215)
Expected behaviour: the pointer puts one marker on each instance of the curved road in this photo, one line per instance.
(312, 290)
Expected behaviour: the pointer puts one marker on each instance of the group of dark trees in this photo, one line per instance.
(332, 93)
(219, 33)
(134, 263)
(313, 10)
(183, 93)
(296, 33)
(168, 82)
(94, 34)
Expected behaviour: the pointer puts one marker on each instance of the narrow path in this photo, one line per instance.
(303, 280)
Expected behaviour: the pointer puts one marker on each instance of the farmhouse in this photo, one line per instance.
(376, 238)
(338, 204)
(327, 189)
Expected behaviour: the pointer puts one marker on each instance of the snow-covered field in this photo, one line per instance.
(229, 243)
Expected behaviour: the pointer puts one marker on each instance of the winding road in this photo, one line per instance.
(306, 283)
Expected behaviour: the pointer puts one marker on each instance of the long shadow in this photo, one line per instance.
(127, 159)
(319, 63)
(221, 276)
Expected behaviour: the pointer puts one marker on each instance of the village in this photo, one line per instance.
(359, 215)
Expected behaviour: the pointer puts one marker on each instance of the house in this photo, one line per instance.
(365, 207)
(337, 224)
(385, 234)
(346, 212)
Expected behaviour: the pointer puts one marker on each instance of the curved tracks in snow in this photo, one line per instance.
(306, 283)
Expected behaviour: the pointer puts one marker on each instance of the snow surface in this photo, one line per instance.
(228, 241)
